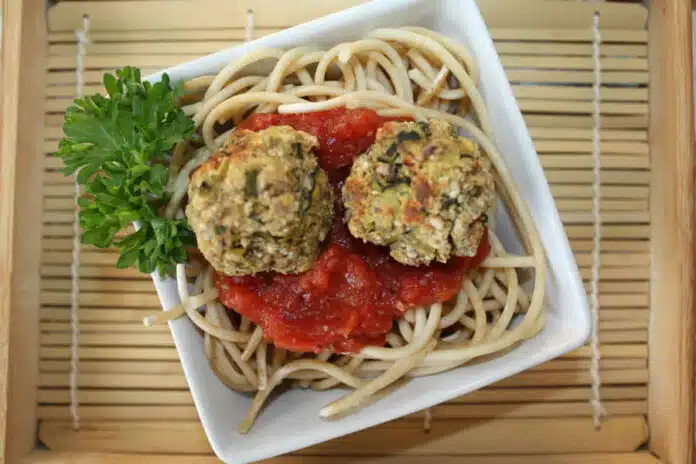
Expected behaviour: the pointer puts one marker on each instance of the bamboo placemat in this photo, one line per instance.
(133, 394)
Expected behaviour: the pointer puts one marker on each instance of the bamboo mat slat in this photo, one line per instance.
(531, 378)
(469, 411)
(66, 47)
(595, 458)
(492, 395)
(132, 390)
(524, 18)
(169, 367)
(522, 436)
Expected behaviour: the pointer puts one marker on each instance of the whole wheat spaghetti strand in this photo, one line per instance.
(417, 344)
(464, 353)
(323, 356)
(486, 281)
(394, 340)
(245, 325)
(421, 64)
(163, 317)
(252, 344)
(281, 69)
(223, 110)
(233, 88)
(235, 361)
(359, 73)
(391, 375)
(308, 375)
(455, 48)
(498, 292)
(479, 310)
(350, 368)
(198, 84)
(501, 324)
(279, 356)
(434, 88)
(235, 66)
(421, 321)
(196, 318)
(380, 74)
(468, 323)
(196, 301)
(456, 312)
(508, 261)
(348, 50)
(410, 316)
(261, 365)
(456, 68)
(218, 357)
(405, 330)
(328, 61)
(494, 305)
(455, 337)
(179, 186)
(236, 356)
(178, 157)
(283, 372)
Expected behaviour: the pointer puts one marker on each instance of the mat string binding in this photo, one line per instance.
(249, 29)
(596, 399)
(82, 36)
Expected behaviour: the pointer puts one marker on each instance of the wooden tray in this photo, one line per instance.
(135, 405)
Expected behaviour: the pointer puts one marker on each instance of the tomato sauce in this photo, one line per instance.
(352, 294)
(343, 134)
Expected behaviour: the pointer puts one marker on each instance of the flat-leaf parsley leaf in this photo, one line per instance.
(119, 145)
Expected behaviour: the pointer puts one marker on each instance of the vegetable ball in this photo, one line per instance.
(422, 190)
(261, 203)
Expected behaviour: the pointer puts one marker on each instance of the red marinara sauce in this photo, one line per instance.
(354, 291)
(343, 134)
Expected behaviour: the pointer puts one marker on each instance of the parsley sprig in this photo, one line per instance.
(119, 147)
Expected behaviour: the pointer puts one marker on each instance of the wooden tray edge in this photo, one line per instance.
(671, 133)
(672, 324)
(23, 53)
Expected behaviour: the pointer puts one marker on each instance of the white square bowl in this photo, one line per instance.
(292, 421)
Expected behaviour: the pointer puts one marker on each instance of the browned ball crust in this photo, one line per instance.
(421, 190)
(261, 203)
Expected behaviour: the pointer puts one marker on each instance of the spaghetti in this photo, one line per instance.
(408, 72)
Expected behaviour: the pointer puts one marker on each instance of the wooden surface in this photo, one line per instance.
(128, 373)
(596, 458)
(21, 100)
(130, 376)
(672, 298)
